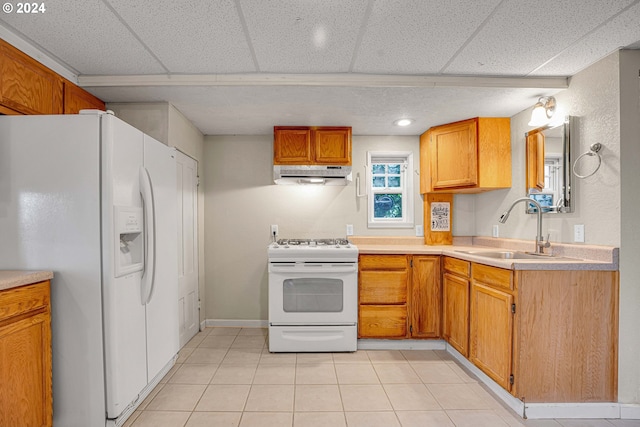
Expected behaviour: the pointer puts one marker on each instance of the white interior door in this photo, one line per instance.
(187, 174)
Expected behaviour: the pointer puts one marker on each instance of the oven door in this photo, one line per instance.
(313, 293)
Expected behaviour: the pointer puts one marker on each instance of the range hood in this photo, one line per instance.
(316, 174)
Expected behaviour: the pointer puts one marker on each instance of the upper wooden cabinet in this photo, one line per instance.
(76, 99)
(469, 156)
(303, 145)
(28, 87)
(535, 161)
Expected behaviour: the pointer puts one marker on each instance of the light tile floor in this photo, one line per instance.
(227, 377)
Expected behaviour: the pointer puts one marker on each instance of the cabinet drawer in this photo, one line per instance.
(17, 301)
(383, 262)
(382, 321)
(383, 287)
(457, 266)
(494, 276)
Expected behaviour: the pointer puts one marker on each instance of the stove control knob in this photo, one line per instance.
(275, 245)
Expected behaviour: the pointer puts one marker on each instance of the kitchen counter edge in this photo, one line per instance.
(510, 264)
(10, 279)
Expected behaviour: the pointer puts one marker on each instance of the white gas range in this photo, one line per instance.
(313, 295)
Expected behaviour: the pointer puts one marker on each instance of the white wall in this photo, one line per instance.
(592, 97)
(241, 202)
(629, 368)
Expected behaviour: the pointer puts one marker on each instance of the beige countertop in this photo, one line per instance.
(566, 256)
(14, 278)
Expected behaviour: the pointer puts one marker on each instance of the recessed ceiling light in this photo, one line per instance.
(403, 122)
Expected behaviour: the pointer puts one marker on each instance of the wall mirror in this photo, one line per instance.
(548, 171)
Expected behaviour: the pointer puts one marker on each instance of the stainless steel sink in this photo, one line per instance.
(507, 255)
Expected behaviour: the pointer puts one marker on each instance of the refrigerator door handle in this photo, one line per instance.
(148, 274)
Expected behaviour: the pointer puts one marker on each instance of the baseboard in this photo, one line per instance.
(373, 344)
(609, 410)
(630, 411)
(515, 404)
(237, 323)
(572, 410)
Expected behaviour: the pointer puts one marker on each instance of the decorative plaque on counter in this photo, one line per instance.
(440, 216)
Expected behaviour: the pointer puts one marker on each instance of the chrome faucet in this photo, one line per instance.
(540, 243)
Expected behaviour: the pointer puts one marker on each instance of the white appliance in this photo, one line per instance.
(93, 199)
(312, 174)
(313, 295)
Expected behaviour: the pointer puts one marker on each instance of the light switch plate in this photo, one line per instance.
(495, 231)
(578, 233)
(419, 231)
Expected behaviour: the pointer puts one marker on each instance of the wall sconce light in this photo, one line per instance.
(543, 111)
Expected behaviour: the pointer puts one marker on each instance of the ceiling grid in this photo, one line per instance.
(243, 66)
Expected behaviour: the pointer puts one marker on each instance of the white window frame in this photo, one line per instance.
(405, 158)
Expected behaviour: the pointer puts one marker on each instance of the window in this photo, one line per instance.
(390, 189)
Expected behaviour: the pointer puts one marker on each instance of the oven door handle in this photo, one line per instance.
(326, 268)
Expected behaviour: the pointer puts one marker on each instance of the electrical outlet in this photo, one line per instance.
(495, 232)
(419, 231)
(349, 229)
(578, 233)
(274, 229)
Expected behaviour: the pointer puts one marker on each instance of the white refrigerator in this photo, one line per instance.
(94, 200)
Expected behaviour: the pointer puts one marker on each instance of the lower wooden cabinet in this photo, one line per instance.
(544, 336)
(491, 332)
(399, 296)
(25, 356)
(426, 297)
(455, 303)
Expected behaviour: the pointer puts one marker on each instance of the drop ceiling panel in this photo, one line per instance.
(195, 37)
(86, 36)
(621, 31)
(418, 36)
(295, 36)
(521, 36)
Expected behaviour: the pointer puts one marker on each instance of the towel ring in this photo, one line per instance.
(593, 151)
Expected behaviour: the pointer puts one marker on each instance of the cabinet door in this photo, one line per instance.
(25, 356)
(383, 287)
(426, 297)
(292, 146)
(491, 332)
(332, 146)
(76, 99)
(382, 321)
(454, 155)
(455, 312)
(535, 161)
(26, 86)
